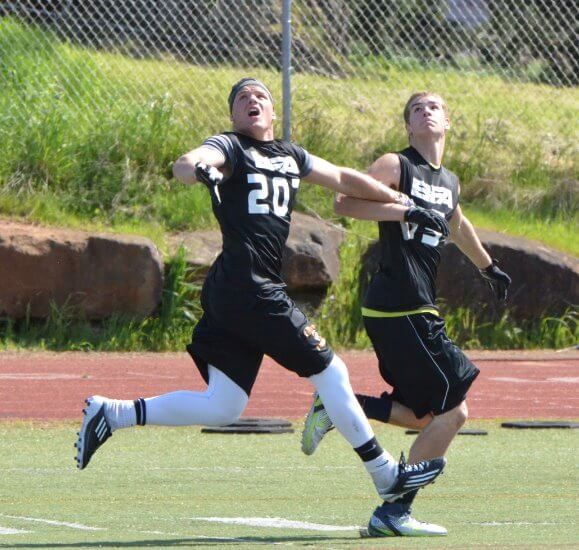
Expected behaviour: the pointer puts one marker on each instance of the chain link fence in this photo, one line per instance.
(351, 55)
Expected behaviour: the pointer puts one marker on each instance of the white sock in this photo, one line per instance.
(120, 413)
(383, 470)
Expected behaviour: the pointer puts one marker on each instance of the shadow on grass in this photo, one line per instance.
(185, 542)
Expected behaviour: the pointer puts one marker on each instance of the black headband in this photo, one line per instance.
(246, 82)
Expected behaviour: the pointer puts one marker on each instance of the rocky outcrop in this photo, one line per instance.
(97, 275)
(545, 281)
(311, 255)
(93, 275)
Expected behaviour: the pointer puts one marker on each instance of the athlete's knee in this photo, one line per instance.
(421, 423)
(223, 412)
(463, 412)
(458, 415)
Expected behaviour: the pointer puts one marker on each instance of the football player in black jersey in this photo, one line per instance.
(253, 181)
(430, 376)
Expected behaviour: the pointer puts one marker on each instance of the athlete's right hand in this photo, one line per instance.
(427, 218)
(207, 174)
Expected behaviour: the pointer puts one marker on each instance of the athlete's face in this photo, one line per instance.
(253, 113)
(427, 116)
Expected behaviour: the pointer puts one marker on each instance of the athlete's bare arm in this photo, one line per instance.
(349, 182)
(462, 234)
(386, 170)
(184, 167)
(369, 210)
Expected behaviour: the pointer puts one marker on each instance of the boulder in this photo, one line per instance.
(93, 275)
(545, 281)
(310, 260)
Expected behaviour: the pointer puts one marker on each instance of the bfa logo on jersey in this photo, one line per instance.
(285, 165)
(431, 193)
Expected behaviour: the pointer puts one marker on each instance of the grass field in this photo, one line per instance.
(152, 487)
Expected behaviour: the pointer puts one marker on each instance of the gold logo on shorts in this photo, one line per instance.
(312, 335)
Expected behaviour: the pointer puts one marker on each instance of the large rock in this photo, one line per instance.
(95, 275)
(545, 281)
(310, 259)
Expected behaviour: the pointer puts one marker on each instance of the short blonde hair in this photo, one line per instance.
(419, 95)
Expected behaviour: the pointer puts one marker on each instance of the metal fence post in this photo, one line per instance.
(286, 67)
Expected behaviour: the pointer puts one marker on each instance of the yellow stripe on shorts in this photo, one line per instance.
(366, 312)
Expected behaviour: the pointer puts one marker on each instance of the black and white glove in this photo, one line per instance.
(497, 279)
(427, 218)
(207, 174)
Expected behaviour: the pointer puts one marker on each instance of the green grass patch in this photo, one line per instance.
(146, 487)
(91, 135)
(557, 233)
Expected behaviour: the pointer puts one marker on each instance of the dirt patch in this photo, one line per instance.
(53, 386)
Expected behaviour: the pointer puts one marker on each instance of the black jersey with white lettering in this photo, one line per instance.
(409, 254)
(254, 206)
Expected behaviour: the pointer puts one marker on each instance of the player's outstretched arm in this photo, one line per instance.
(186, 168)
(462, 233)
(389, 212)
(350, 182)
(369, 210)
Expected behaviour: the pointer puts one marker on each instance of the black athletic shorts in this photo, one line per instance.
(416, 357)
(239, 327)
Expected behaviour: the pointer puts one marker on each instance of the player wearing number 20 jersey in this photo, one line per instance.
(253, 207)
(246, 310)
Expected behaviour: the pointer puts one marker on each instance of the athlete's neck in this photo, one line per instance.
(432, 150)
(259, 134)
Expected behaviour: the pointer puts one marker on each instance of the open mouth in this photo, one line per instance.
(253, 112)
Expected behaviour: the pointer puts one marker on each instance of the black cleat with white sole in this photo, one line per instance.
(413, 476)
(95, 430)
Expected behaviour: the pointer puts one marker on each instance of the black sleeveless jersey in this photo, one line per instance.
(253, 207)
(409, 254)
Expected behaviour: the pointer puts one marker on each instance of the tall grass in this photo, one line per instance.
(109, 166)
(109, 161)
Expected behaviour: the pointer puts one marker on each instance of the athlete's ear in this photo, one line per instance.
(447, 123)
(273, 115)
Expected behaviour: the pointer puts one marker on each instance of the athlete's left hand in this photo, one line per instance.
(497, 279)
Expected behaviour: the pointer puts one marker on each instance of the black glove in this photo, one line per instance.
(209, 175)
(427, 218)
(497, 279)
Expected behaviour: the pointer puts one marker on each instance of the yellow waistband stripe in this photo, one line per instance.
(366, 312)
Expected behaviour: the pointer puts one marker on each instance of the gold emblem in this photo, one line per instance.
(312, 335)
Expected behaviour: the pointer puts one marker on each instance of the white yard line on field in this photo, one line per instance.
(511, 523)
(10, 531)
(57, 523)
(279, 523)
(240, 469)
